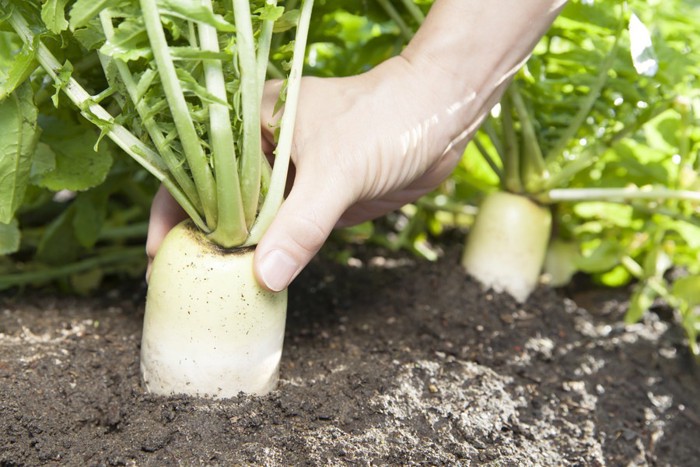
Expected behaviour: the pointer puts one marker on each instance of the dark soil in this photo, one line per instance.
(387, 362)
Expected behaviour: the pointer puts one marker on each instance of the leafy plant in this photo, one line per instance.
(52, 222)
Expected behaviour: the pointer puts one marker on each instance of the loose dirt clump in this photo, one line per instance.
(390, 362)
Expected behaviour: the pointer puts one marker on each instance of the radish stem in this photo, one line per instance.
(194, 153)
(231, 229)
(586, 106)
(617, 194)
(511, 162)
(533, 170)
(274, 197)
(169, 158)
(251, 153)
(414, 11)
(396, 17)
(264, 44)
(487, 157)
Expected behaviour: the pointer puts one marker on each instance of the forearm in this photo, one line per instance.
(469, 50)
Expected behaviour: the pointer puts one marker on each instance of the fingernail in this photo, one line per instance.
(277, 270)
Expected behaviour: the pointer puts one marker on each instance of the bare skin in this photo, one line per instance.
(368, 144)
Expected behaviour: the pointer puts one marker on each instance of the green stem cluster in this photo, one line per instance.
(283, 152)
(232, 227)
(223, 181)
(194, 152)
(523, 167)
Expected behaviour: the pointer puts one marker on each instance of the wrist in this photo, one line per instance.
(466, 52)
(471, 40)
(476, 46)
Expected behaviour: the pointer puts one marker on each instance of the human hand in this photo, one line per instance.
(363, 146)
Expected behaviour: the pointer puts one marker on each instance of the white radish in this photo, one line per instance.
(507, 244)
(209, 329)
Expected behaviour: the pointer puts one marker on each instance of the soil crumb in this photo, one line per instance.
(390, 361)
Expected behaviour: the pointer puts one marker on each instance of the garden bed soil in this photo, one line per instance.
(387, 361)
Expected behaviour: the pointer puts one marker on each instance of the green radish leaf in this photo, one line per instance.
(279, 104)
(689, 232)
(58, 245)
(62, 79)
(9, 237)
(85, 10)
(173, 26)
(615, 214)
(53, 13)
(22, 65)
(656, 263)
(43, 162)
(603, 258)
(287, 21)
(18, 121)
(85, 282)
(90, 37)
(639, 164)
(78, 166)
(616, 277)
(190, 85)
(90, 214)
(4, 15)
(475, 171)
(130, 41)
(663, 133)
(193, 11)
(270, 12)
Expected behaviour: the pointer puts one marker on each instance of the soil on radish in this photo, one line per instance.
(390, 361)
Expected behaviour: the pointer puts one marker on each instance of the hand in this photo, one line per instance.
(363, 146)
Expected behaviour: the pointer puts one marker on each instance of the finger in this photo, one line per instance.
(301, 227)
(165, 214)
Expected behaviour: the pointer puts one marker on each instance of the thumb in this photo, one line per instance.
(301, 227)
